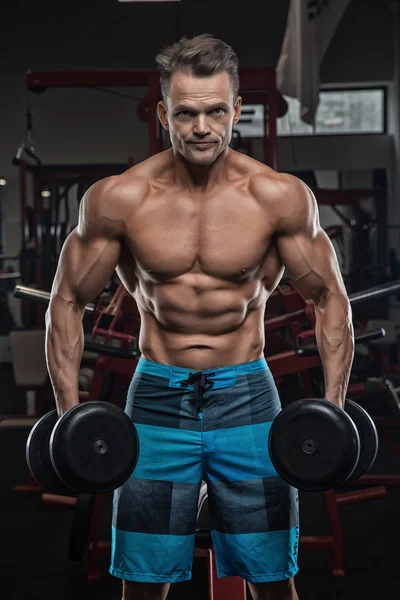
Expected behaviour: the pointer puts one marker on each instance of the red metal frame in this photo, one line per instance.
(251, 81)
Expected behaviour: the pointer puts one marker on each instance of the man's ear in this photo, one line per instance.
(237, 108)
(162, 114)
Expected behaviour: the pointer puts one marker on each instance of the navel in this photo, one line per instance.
(244, 269)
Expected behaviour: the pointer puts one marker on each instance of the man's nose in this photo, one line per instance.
(201, 127)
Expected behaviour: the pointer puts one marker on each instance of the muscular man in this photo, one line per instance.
(200, 236)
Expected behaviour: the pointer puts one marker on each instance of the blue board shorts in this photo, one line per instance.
(212, 426)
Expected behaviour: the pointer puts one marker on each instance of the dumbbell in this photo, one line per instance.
(93, 448)
(314, 445)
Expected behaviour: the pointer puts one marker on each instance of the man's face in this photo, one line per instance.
(199, 115)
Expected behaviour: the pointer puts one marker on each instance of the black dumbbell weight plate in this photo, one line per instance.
(38, 456)
(369, 441)
(94, 447)
(314, 445)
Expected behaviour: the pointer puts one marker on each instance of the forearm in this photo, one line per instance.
(335, 341)
(64, 348)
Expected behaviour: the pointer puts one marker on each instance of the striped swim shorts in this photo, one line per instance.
(210, 426)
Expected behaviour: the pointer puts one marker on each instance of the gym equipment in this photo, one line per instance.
(302, 359)
(369, 336)
(314, 445)
(307, 312)
(41, 296)
(38, 456)
(332, 542)
(79, 534)
(257, 86)
(105, 317)
(369, 441)
(93, 448)
(8, 277)
(49, 204)
(101, 313)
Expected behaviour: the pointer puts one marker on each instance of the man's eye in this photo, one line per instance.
(218, 111)
(184, 113)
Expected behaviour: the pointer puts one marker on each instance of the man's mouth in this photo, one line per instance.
(202, 143)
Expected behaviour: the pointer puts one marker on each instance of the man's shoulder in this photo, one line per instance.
(288, 201)
(269, 184)
(131, 184)
(110, 202)
(130, 187)
(264, 180)
(283, 193)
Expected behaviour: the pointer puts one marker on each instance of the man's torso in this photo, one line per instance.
(200, 265)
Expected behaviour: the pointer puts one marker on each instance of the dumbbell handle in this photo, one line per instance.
(363, 337)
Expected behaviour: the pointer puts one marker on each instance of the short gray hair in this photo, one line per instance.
(200, 56)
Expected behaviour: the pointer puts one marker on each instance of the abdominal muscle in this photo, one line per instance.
(203, 327)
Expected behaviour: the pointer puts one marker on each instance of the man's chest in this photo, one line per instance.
(223, 237)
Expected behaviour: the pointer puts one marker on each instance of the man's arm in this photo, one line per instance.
(87, 261)
(310, 259)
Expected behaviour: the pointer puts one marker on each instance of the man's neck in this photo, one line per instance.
(200, 177)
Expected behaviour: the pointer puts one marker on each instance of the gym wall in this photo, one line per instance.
(86, 126)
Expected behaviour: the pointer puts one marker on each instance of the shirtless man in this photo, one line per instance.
(200, 236)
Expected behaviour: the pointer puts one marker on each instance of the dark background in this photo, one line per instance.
(86, 126)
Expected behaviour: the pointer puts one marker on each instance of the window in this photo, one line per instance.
(339, 112)
(251, 122)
